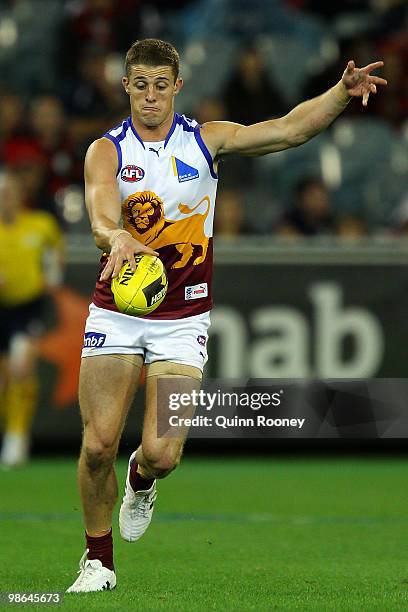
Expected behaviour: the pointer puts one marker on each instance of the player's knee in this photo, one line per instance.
(99, 456)
(162, 469)
(165, 465)
(160, 464)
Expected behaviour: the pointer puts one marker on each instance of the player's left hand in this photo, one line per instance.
(359, 82)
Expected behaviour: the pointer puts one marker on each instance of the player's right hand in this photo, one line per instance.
(123, 249)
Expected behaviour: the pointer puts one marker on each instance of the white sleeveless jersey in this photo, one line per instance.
(168, 191)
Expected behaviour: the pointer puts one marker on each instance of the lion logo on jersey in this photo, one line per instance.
(143, 214)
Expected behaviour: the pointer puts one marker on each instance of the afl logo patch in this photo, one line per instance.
(132, 174)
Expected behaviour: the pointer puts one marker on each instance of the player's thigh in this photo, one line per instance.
(162, 379)
(107, 385)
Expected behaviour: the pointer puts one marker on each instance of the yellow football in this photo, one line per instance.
(140, 292)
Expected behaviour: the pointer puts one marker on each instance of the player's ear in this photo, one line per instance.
(125, 83)
(178, 85)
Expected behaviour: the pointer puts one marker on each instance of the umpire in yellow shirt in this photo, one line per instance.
(30, 264)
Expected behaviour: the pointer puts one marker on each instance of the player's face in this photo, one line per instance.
(152, 90)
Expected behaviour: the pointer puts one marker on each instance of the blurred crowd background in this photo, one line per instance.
(61, 63)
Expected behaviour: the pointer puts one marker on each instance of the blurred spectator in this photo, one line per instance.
(250, 95)
(11, 117)
(48, 126)
(25, 157)
(385, 39)
(310, 213)
(391, 17)
(394, 105)
(230, 216)
(350, 227)
(92, 101)
(26, 239)
(361, 50)
(210, 109)
(105, 25)
(39, 150)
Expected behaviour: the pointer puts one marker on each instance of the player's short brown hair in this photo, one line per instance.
(153, 52)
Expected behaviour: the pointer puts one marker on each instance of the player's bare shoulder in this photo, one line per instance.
(216, 134)
(101, 160)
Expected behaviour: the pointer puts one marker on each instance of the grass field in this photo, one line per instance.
(228, 534)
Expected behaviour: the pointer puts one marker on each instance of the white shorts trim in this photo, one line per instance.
(181, 341)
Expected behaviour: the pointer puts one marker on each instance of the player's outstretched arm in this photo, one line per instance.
(300, 125)
(103, 203)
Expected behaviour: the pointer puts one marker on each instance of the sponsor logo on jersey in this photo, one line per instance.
(201, 340)
(196, 291)
(132, 174)
(183, 171)
(94, 340)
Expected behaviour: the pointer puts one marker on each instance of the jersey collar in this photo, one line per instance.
(170, 132)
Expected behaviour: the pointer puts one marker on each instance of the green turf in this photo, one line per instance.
(228, 534)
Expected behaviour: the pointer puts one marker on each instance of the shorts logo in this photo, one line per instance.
(196, 291)
(201, 340)
(94, 340)
(132, 174)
